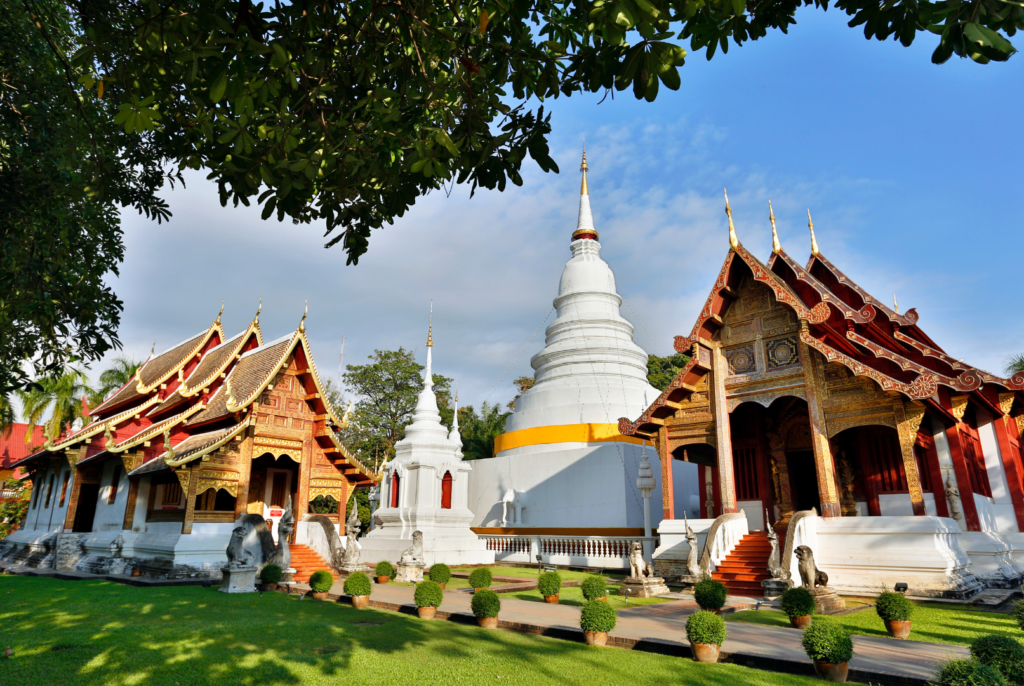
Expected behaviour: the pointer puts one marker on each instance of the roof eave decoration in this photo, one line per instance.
(908, 318)
(155, 430)
(215, 328)
(630, 428)
(1015, 382)
(862, 316)
(190, 388)
(173, 460)
(350, 458)
(103, 425)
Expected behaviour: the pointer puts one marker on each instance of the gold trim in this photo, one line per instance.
(959, 403)
(563, 433)
(209, 449)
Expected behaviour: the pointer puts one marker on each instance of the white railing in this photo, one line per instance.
(608, 552)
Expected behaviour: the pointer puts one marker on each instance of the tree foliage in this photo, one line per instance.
(479, 430)
(59, 396)
(119, 372)
(14, 509)
(662, 370)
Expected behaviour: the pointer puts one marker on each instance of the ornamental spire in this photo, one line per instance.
(430, 328)
(585, 223)
(776, 246)
(428, 377)
(814, 241)
(733, 241)
(583, 168)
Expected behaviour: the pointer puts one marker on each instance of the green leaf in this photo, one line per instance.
(218, 88)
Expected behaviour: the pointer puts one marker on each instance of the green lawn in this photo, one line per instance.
(573, 595)
(531, 572)
(97, 632)
(932, 623)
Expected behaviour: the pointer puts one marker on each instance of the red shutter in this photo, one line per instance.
(446, 491)
(394, 490)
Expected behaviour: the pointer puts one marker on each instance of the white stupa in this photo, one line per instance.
(426, 488)
(562, 451)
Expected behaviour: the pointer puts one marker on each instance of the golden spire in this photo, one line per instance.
(153, 349)
(814, 241)
(302, 324)
(583, 168)
(895, 305)
(258, 310)
(220, 313)
(430, 329)
(733, 241)
(776, 246)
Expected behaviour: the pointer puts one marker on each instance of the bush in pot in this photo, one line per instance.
(428, 598)
(270, 575)
(594, 588)
(320, 582)
(357, 585)
(549, 584)
(480, 578)
(967, 672)
(798, 604)
(440, 574)
(486, 605)
(830, 648)
(596, 620)
(384, 572)
(710, 594)
(706, 633)
(1003, 654)
(895, 610)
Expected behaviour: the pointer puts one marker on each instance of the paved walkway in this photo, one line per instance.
(661, 628)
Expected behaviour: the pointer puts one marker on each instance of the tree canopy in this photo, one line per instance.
(661, 370)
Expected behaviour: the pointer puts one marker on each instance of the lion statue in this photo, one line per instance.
(414, 554)
(638, 566)
(810, 575)
(238, 555)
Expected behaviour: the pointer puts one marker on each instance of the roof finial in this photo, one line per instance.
(258, 310)
(430, 329)
(895, 305)
(733, 241)
(221, 312)
(814, 241)
(153, 349)
(776, 246)
(232, 403)
(302, 324)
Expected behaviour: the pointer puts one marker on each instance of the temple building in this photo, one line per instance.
(210, 430)
(562, 463)
(805, 392)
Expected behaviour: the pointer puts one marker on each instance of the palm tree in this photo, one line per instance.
(478, 433)
(1015, 364)
(121, 370)
(63, 396)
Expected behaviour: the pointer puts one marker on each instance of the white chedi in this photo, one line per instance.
(426, 489)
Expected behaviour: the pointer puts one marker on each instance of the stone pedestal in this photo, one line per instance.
(646, 587)
(238, 580)
(346, 570)
(412, 574)
(773, 588)
(288, 576)
(826, 600)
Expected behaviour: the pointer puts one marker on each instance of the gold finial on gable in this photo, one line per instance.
(302, 323)
(776, 246)
(895, 305)
(221, 312)
(733, 241)
(814, 241)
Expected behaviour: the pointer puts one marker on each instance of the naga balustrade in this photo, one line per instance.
(607, 552)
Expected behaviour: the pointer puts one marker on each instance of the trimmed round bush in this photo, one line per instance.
(797, 602)
(486, 604)
(321, 581)
(1003, 654)
(705, 627)
(710, 594)
(480, 578)
(549, 583)
(894, 607)
(1018, 613)
(594, 587)
(440, 573)
(384, 569)
(358, 584)
(597, 615)
(271, 574)
(828, 641)
(428, 594)
(967, 672)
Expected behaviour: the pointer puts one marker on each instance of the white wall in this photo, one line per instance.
(110, 517)
(41, 518)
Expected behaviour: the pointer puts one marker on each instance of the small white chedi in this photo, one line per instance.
(426, 489)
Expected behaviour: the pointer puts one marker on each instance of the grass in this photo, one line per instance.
(531, 573)
(96, 632)
(573, 595)
(932, 623)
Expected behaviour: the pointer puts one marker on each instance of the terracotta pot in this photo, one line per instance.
(320, 596)
(269, 587)
(801, 622)
(596, 638)
(487, 622)
(360, 602)
(553, 599)
(442, 585)
(426, 612)
(136, 571)
(717, 611)
(898, 628)
(835, 672)
(603, 599)
(383, 579)
(705, 652)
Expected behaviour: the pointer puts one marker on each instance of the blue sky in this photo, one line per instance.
(909, 169)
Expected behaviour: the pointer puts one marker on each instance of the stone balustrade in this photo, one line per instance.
(607, 552)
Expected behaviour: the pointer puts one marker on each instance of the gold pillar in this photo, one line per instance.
(908, 421)
(723, 432)
(667, 485)
(814, 377)
(190, 482)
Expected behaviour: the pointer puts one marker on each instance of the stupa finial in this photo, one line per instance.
(776, 246)
(814, 241)
(430, 327)
(733, 241)
(583, 168)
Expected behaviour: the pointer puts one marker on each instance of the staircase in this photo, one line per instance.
(305, 560)
(743, 570)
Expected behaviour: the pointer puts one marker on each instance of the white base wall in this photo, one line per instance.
(446, 537)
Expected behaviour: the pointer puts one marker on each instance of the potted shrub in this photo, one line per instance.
(549, 584)
(270, 575)
(798, 604)
(895, 611)
(486, 605)
(384, 572)
(480, 578)
(594, 588)
(428, 598)
(967, 672)
(320, 583)
(596, 620)
(829, 646)
(1003, 654)
(440, 574)
(706, 633)
(357, 585)
(710, 595)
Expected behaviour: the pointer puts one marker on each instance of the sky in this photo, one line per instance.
(908, 168)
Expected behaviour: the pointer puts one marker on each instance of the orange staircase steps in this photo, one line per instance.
(305, 560)
(743, 569)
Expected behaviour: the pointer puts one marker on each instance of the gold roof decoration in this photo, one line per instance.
(583, 168)
(776, 246)
(302, 322)
(814, 241)
(734, 242)
(430, 328)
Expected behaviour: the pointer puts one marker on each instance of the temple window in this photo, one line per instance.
(277, 494)
(973, 454)
(115, 479)
(394, 489)
(215, 500)
(49, 491)
(446, 491)
(64, 488)
(172, 493)
(923, 472)
(745, 467)
(165, 499)
(884, 451)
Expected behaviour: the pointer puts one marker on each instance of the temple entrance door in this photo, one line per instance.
(88, 494)
(278, 486)
(804, 479)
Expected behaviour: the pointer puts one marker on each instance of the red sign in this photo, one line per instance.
(277, 513)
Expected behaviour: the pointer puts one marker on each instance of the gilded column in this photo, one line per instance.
(828, 492)
(76, 483)
(189, 482)
(1010, 456)
(667, 487)
(723, 433)
(957, 406)
(908, 421)
(244, 471)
